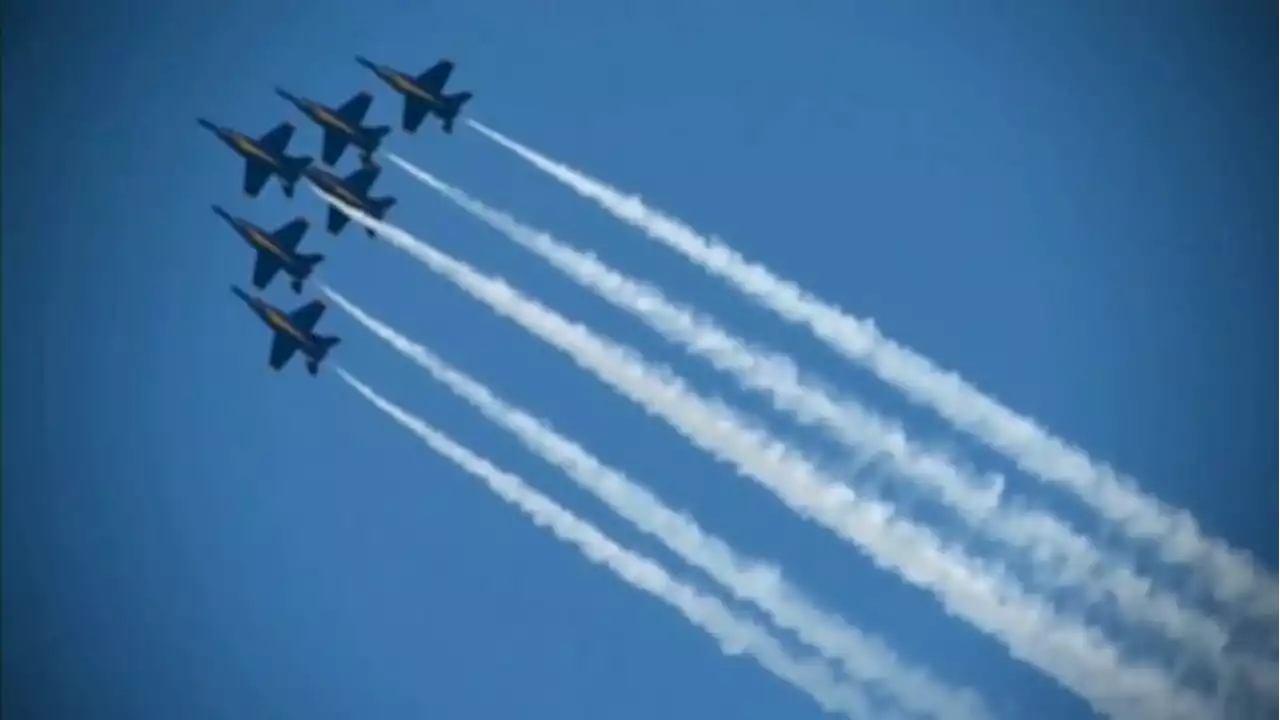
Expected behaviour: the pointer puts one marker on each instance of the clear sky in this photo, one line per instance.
(1066, 202)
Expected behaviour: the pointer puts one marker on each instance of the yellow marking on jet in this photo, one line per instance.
(330, 119)
(251, 148)
(264, 241)
(279, 321)
(414, 89)
(346, 194)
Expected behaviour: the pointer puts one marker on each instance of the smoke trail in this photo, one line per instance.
(1232, 576)
(1063, 559)
(734, 635)
(864, 658)
(1078, 657)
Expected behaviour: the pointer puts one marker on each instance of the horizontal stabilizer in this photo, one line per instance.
(382, 205)
(457, 100)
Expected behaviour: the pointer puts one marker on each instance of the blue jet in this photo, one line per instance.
(352, 190)
(276, 251)
(264, 156)
(423, 94)
(293, 331)
(341, 125)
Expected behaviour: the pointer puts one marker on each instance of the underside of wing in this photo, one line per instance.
(335, 142)
(289, 235)
(436, 77)
(415, 111)
(282, 348)
(354, 110)
(337, 220)
(306, 317)
(265, 267)
(361, 181)
(256, 174)
(277, 138)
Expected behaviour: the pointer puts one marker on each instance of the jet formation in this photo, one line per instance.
(266, 156)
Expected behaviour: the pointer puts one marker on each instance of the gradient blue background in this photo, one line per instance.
(1067, 202)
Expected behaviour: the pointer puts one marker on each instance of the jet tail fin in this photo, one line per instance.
(456, 101)
(309, 262)
(381, 206)
(379, 211)
(453, 106)
(295, 165)
(376, 135)
(327, 343)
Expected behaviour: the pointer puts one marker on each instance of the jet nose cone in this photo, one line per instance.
(287, 95)
(366, 62)
(208, 125)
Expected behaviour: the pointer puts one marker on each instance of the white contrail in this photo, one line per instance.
(1232, 577)
(735, 635)
(1078, 657)
(1062, 558)
(865, 659)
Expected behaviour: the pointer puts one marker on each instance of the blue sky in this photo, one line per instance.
(1068, 203)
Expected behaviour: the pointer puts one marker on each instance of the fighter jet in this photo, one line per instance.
(423, 94)
(293, 331)
(277, 250)
(352, 190)
(264, 156)
(341, 125)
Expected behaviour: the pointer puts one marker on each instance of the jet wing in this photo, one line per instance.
(277, 138)
(256, 174)
(337, 220)
(354, 110)
(434, 78)
(360, 181)
(290, 234)
(415, 111)
(265, 267)
(335, 141)
(306, 317)
(282, 348)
